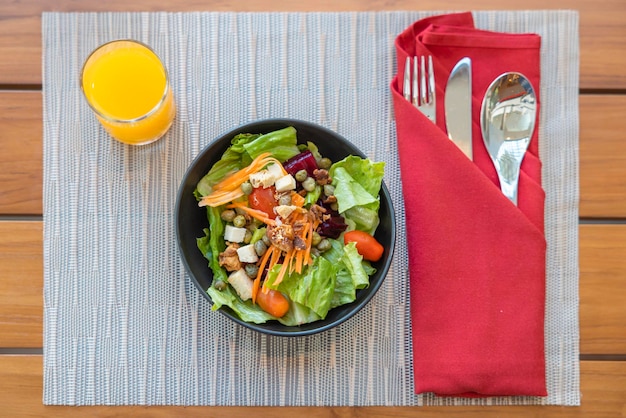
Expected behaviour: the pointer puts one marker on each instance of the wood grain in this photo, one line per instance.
(21, 153)
(602, 286)
(603, 385)
(21, 284)
(602, 289)
(602, 154)
(602, 32)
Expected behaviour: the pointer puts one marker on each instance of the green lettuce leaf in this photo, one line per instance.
(365, 172)
(357, 184)
(283, 144)
(247, 311)
(212, 243)
(313, 288)
(234, 158)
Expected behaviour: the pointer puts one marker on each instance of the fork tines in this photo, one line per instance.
(419, 85)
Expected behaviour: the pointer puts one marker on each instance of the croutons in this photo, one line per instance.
(242, 284)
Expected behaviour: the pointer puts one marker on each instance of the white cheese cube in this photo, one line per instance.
(276, 170)
(247, 254)
(242, 284)
(262, 178)
(234, 234)
(285, 183)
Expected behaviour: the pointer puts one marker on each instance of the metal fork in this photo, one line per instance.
(419, 85)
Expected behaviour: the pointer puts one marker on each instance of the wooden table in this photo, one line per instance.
(602, 230)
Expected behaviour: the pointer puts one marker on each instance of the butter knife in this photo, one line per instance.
(458, 106)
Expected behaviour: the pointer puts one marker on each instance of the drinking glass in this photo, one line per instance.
(127, 86)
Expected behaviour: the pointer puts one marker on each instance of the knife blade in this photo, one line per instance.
(458, 105)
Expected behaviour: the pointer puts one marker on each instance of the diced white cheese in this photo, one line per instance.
(247, 254)
(262, 178)
(242, 284)
(285, 183)
(284, 210)
(275, 170)
(234, 234)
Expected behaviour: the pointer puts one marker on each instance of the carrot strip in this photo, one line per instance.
(255, 213)
(220, 198)
(283, 268)
(230, 188)
(257, 279)
(273, 261)
(299, 260)
(238, 178)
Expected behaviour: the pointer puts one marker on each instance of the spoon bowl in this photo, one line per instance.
(507, 121)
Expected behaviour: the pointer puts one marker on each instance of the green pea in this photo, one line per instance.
(329, 189)
(309, 184)
(220, 285)
(228, 215)
(284, 199)
(239, 221)
(260, 247)
(251, 270)
(316, 238)
(324, 245)
(266, 240)
(324, 163)
(246, 188)
(301, 175)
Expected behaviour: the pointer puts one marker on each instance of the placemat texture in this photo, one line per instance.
(123, 323)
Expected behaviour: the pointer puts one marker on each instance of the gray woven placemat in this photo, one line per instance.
(122, 322)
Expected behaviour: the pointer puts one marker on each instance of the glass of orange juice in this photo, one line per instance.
(127, 86)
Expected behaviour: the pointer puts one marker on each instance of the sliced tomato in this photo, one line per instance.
(264, 199)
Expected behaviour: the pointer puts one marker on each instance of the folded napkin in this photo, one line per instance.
(477, 262)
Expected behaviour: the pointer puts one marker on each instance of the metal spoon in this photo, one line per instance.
(507, 120)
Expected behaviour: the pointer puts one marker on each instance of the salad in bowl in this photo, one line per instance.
(298, 227)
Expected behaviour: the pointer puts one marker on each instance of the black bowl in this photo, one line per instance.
(191, 219)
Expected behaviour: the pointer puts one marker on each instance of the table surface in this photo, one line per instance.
(602, 224)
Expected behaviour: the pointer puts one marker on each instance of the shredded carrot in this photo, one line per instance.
(255, 213)
(257, 279)
(220, 198)
(309, 242)
(284, 267)
(230, 188)
(228, 191)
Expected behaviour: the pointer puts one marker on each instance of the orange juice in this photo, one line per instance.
(127, 86)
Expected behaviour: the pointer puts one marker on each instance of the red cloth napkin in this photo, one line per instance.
(477, 262)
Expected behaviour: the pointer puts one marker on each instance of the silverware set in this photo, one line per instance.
(507, 116)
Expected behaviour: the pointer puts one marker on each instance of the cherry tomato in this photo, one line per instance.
(366, 244)
(263, 199)
(273, 302)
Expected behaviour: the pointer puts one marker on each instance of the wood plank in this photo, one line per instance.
(602, 288)
(603, 385)
(21, 284)
(602, 156)
(21, 153)
(602, 29)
